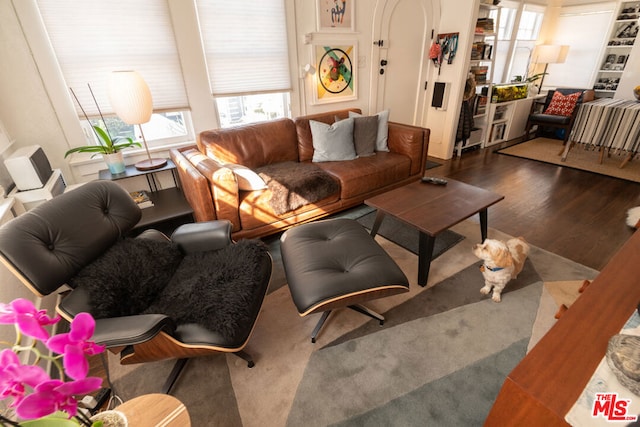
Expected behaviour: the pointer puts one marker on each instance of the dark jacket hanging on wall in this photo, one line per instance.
(465, 122)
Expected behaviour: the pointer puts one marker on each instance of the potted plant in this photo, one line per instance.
(109, 147)
(531, 80)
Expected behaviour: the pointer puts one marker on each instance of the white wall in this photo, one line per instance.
(28, 117)
(456, 16)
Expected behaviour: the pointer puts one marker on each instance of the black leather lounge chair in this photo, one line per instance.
(153, 298)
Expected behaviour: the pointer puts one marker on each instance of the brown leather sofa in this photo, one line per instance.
(212, 189)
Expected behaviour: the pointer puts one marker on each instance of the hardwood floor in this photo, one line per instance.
(575, 214)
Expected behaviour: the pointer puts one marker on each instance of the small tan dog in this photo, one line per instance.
(502, 262)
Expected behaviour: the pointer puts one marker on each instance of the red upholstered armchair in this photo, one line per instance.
(558, 117)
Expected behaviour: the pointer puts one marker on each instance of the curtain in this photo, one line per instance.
(245, 45)
(92, 38)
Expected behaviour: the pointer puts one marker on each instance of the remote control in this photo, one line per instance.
(434, 180)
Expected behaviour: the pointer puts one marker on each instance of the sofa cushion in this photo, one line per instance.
(255, 211)
(333, 142)
(252, 145)
(383, 129)
(368, 174)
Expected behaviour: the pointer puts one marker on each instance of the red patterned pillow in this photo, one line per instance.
(562, 105)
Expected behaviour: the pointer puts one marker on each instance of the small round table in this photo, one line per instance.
(155, 409)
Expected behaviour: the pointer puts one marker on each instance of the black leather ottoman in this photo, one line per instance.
(335, 263)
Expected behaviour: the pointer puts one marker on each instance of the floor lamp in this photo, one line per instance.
(550, 54)
(130, 99)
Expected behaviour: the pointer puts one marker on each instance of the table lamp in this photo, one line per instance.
(550, 54)
(130, 99)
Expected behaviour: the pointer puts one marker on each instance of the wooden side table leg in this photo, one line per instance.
(565, 152)
(425, 253)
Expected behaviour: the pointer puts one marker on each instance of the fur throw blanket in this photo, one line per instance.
(295, 184)
(221, 290)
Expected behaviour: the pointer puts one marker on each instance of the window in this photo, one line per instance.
(92, 38)
(517, 34)
(248, 65)
(583, 58)
(163, 128)
(237, 110)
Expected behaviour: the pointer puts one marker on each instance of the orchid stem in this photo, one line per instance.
(6, 421)
(82, 417)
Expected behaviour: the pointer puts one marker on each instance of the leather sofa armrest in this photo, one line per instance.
(131, 330)
(216, 193)
(194, 185)
(412, 141)
(202, 236)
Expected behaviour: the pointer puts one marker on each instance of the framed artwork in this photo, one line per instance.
(335, 15)
(336, 77)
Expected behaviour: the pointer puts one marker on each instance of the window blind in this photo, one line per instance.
(245, 44)
(92, 38)
(584, 57)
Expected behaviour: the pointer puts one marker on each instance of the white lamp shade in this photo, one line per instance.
(564, 51)
(547, 53)
(130, 97)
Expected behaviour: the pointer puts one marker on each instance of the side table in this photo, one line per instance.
(168, 204)
(151, 410)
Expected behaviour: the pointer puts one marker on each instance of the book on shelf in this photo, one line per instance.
(142, 198)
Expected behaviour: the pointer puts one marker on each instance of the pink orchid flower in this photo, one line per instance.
(75, 344)
(30, 321)
(53, 395)
(14, 376)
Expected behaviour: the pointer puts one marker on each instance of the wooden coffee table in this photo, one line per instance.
(432, 209)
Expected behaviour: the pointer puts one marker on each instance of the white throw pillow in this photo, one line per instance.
(332, 142)
(383, 129)
(248, 180)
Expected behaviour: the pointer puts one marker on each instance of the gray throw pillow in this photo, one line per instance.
(365, 132)
(383, 129)
(332, 142)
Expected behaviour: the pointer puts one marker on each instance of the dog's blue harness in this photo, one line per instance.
(491, 269)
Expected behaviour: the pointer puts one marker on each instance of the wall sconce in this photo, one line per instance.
(309, 70)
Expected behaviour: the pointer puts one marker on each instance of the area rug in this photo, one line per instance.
(431, 165)
(439, 359)
(580, 157)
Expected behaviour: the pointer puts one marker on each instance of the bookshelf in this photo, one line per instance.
(481, 66)
(622, 36)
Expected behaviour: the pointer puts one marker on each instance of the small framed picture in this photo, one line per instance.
(336, 72)
(335, 15)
